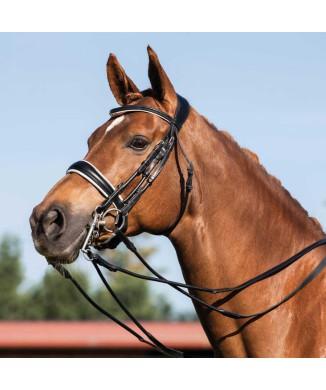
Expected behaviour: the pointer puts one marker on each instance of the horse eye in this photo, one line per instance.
(139, 143)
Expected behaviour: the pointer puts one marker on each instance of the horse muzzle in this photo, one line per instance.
(56, 233)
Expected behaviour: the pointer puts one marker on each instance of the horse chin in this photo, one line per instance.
(70, 254)
(63, 259)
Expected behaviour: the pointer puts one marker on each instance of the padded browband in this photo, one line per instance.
(181, 113)
(95, 177)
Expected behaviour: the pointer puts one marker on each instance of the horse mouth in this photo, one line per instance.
(70, 254)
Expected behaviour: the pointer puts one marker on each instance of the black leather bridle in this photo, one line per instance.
(148, 171)
(114, 204)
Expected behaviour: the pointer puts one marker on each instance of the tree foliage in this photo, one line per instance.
(11, 276)
(54, 298)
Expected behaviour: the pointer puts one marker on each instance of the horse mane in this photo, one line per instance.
(253, 157)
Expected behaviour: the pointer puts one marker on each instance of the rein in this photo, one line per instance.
(115, 205)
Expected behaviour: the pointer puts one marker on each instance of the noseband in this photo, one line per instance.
(115, 205)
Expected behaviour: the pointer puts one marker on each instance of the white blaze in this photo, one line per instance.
(115, 122)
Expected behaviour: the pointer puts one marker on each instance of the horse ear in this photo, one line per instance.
(123, 88)
(161, 85)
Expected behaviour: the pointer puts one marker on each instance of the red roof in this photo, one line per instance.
(100, 335)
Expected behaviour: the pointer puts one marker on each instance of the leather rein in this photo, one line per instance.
(115, 206)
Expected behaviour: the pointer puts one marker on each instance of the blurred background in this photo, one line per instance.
(267, 89)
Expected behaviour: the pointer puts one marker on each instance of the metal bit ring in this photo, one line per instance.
(117, 217)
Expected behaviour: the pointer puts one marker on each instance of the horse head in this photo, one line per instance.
(116, 149)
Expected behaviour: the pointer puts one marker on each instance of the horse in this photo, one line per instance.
(238, 222)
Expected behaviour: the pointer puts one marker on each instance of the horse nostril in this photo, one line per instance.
(53, 223)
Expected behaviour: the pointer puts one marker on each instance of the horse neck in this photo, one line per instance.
(239, 222)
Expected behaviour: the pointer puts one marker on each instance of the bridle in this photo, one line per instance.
(148, 171)
(114, 205)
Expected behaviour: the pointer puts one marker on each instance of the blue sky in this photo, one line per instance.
(267, 89)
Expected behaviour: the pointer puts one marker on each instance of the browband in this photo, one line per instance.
(181, 113)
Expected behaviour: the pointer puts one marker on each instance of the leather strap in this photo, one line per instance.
(181, 114)
(89, 172)
(159, 278)
(138, 108)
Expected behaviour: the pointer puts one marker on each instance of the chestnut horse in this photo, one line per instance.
(239, 221)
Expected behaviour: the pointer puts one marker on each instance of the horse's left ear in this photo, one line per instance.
(162, 87)
(122, 87)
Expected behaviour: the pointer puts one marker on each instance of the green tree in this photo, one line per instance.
(55, 298)
(11, 276)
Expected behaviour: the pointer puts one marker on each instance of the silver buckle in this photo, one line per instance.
(92, 231)
(98, 224)
(117, 217)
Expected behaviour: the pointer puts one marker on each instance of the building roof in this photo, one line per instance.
(99, 335)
